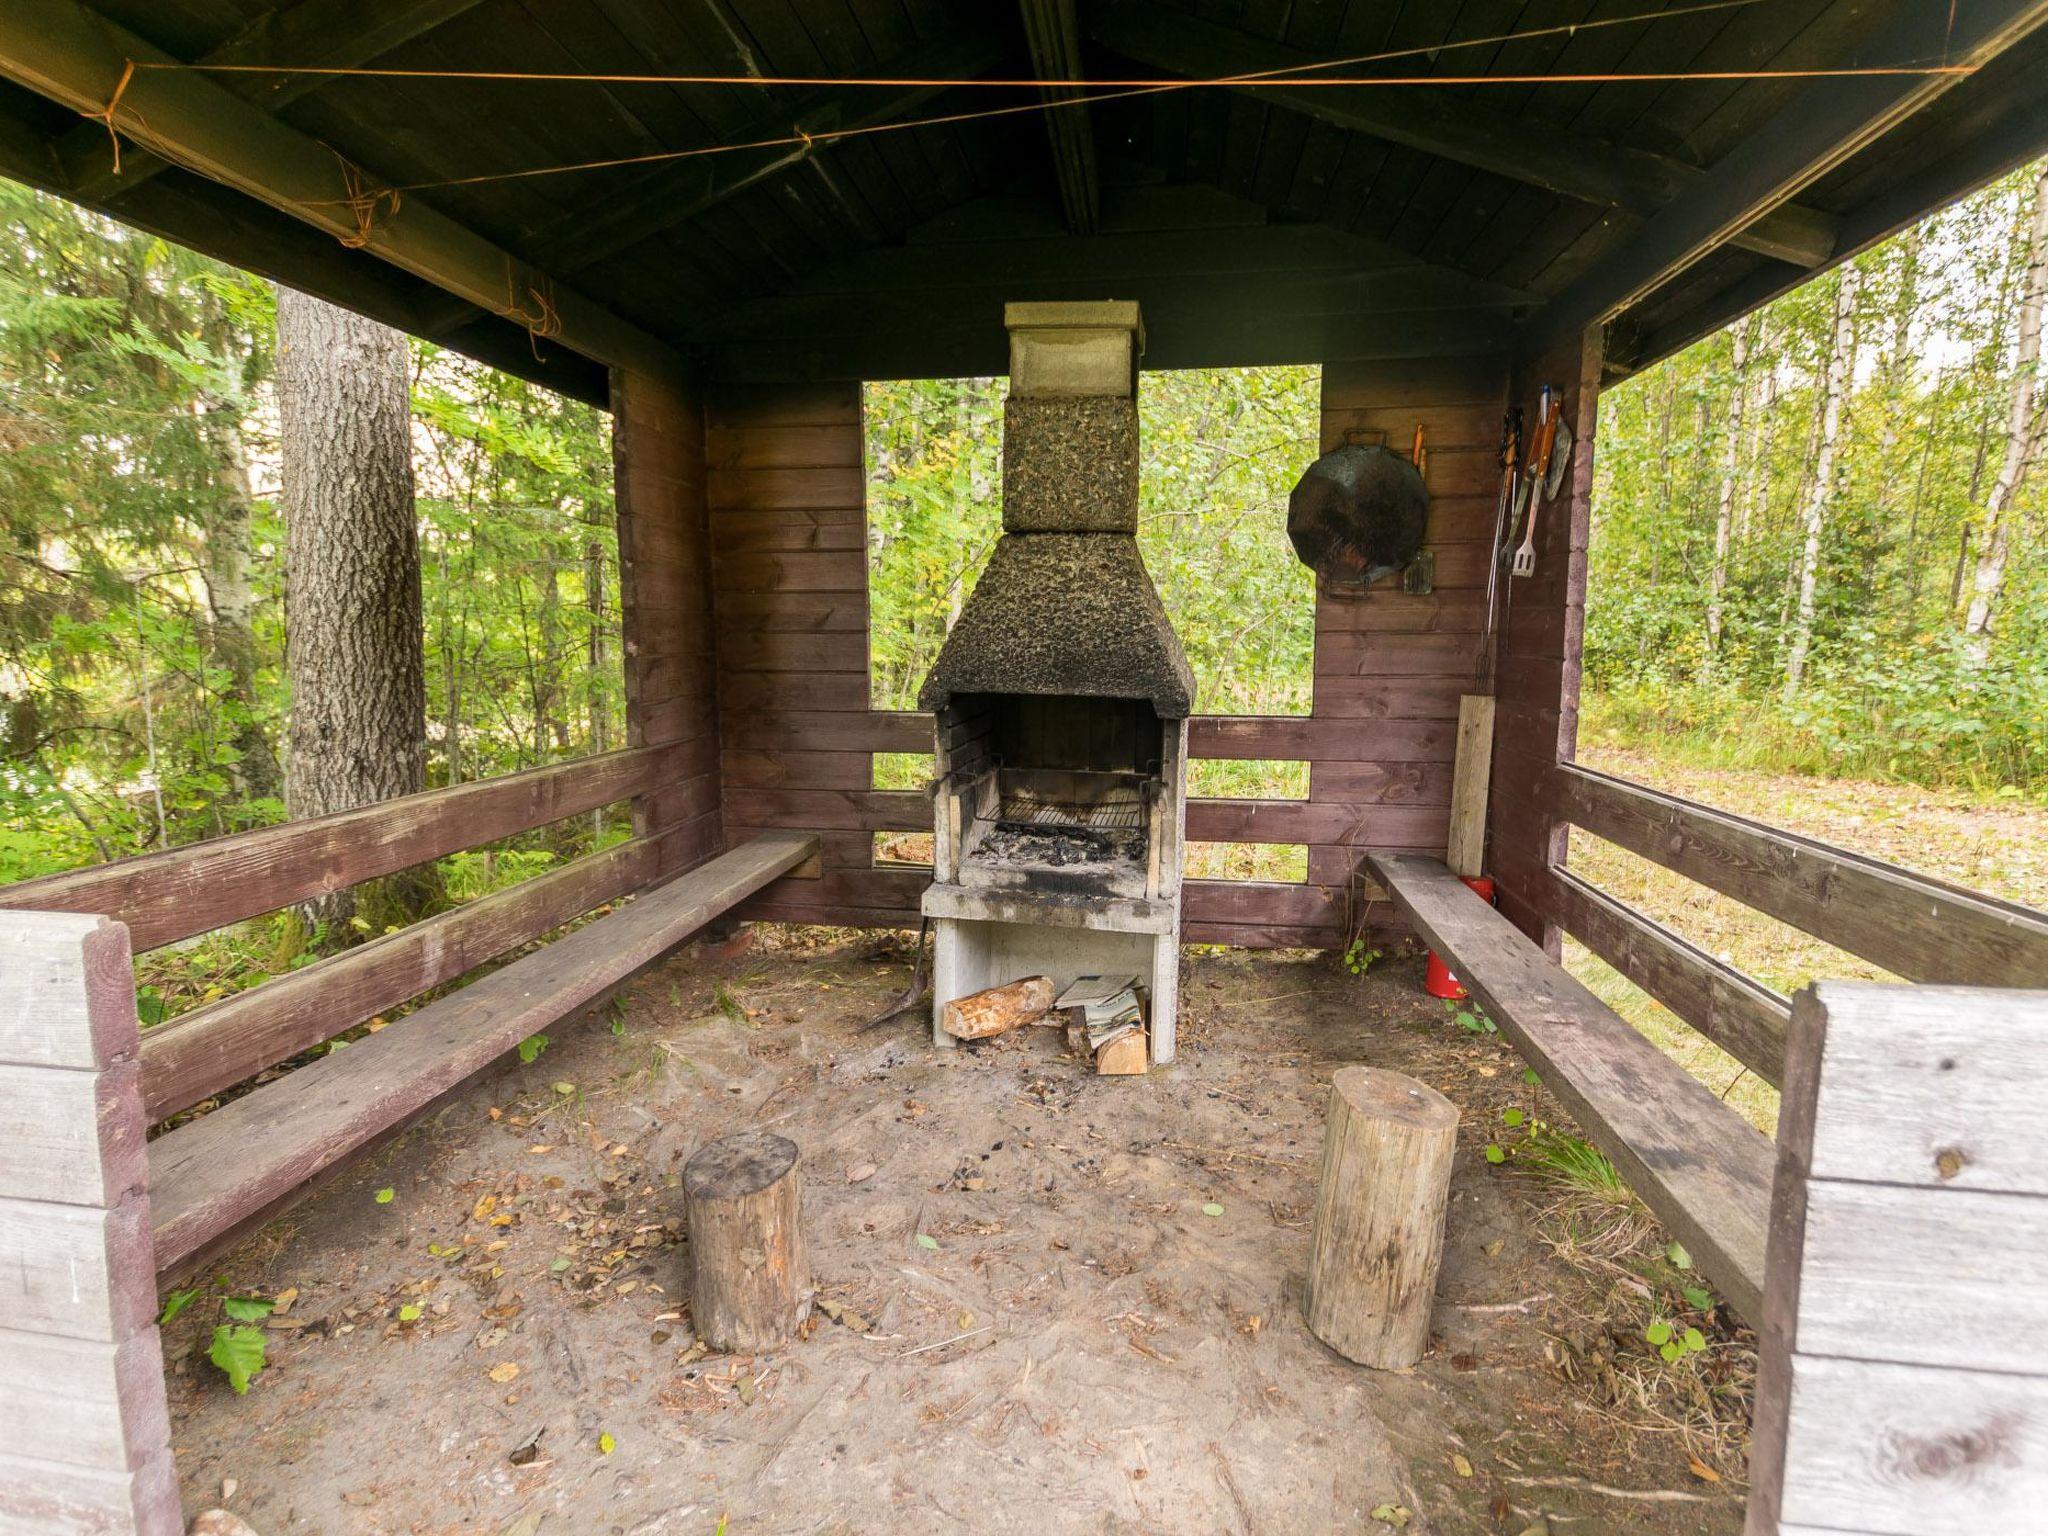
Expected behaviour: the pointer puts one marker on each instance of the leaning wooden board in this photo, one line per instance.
(1903, 1384)
(208, 1176)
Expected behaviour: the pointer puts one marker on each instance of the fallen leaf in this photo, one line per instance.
(1461, 1466)
(1702, 1471)
(484, 1207)
(1396, 1515)
(860, 1173)
(926, 1241)
(1212, 1209)
(282, 1302)
(503, 1372)
(386, 1196)
(606, 1444)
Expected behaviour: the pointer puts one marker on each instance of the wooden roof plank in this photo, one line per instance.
(1439, 123)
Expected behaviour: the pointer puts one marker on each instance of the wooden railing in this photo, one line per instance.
(1916, 926)
(173, 895)
(164, 897)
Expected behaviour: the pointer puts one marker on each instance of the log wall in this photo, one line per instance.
(787, 531)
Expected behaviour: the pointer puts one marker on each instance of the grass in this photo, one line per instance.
(1993, 843)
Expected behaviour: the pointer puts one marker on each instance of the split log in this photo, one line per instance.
(996, 1010)
(750, 1279)
(1379, 1223)
(1125, 1056)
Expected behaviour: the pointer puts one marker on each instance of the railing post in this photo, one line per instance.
(85, 1441)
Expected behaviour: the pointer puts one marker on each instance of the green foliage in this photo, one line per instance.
(136, 421)
(1470, 1017)
(1220, 449)
(530, 1049)
(241, 1353)
(1890, 691)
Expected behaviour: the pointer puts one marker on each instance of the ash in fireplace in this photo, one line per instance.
(1008, 842)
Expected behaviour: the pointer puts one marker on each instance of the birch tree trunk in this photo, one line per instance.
(227, 554)
(2020, 438)
(354, 629)
(1821, 493)
(1731, 471)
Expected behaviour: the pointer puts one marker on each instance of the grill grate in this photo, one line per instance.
(1119, 811)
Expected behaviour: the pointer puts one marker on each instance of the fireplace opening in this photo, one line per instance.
(1058, 793)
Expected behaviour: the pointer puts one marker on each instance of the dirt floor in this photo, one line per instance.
(1049, 1302)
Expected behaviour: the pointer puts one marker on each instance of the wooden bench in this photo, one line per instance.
(84, 1428)
(1902, 1383)
(211, 1176)
(1703, 1169)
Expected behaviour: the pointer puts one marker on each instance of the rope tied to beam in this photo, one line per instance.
(543, 321)
(114, 105)
(362, 202)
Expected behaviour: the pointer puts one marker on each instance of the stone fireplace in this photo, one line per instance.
(1062, 696)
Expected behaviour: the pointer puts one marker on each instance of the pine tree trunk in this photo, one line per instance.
(1834, 390)
(1731, 472)
(2020, 437)
(354, 629)
(226, 554)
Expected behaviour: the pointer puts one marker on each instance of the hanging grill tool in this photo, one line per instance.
(1542, 478)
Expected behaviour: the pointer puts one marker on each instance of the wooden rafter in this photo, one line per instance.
(1454, 128)
(1055, 38)
(80, 60)
(333, 34)
(1824, 124)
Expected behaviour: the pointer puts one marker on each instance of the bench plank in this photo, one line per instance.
(213, 1047)
(1701, 1167)
(207, 1176)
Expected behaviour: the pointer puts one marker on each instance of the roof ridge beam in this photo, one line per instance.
(78, 59)
(1054, 36)
(1425, 118)
(1823, 124)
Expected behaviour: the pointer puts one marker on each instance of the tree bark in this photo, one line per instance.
(354, 628)
(1821, 494)
(1731, 472)
(2020, 437)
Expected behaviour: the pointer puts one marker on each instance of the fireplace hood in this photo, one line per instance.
(1066, 607)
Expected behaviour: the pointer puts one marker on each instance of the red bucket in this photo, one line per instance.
(1438, 981)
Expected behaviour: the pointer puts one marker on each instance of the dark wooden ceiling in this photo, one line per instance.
(1255, 223)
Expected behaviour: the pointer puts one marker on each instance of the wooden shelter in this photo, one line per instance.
(818, 192)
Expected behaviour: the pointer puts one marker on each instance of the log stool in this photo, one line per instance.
(1379, 1226)
(750, 1282)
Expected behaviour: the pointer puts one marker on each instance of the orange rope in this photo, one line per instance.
(113, 106)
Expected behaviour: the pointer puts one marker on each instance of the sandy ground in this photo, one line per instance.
(1028, 1323)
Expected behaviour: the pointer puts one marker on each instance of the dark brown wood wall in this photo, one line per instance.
(1536, 724)
(666, 612)
(790, 578)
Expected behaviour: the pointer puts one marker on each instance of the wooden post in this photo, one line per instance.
(85, 1436)
(1466, 849)
(1379, 1225)
(750, 1279)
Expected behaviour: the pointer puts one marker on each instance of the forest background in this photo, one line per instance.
(1818, 541)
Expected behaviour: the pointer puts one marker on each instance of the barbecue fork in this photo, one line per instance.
(1539, 467)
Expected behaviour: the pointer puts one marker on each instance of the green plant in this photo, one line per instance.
(1471, 1017)
(1359, 957)
(530, 1049)
(1572, 1162)
(1674, 1344)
